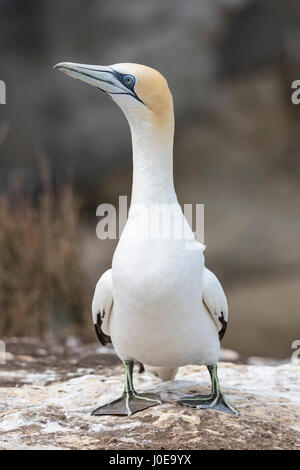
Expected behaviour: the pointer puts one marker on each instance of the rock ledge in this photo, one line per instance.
(44, 406)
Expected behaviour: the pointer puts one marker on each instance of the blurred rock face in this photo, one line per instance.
(230, 64)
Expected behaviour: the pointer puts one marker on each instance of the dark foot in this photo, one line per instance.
(215, 402)
(128, 404)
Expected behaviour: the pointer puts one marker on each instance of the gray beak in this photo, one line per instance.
(105, 78)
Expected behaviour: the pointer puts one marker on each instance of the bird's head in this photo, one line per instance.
(140, 91)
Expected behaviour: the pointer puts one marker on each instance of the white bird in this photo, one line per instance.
(158, 305)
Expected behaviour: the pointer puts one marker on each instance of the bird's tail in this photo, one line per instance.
(164, 373)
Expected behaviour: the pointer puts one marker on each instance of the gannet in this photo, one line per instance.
(158, 304)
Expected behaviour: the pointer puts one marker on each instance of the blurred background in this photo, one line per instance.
(65, 149)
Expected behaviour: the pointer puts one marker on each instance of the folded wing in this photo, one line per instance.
(215, 301)
(102, 306)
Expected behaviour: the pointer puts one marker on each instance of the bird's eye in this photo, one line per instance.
(129, 80)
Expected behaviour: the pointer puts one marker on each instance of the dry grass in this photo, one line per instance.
(43, 287)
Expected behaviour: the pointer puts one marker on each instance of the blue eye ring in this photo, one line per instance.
(129, 81)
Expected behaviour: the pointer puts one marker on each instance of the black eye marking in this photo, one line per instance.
(129, 81)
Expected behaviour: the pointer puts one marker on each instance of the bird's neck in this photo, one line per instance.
(152, 165)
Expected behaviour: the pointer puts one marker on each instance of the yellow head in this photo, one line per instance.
(140, 91)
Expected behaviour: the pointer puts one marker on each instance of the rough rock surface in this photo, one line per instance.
(47, 394)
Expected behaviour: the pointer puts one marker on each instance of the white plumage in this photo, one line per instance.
(157, 324)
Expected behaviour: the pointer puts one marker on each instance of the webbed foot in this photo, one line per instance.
(129, 403)
(216, 402)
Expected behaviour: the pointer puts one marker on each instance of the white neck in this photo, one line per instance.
(152, 165)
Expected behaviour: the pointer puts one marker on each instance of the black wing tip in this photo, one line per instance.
(102, 337)
(224, 326)
(141, 367)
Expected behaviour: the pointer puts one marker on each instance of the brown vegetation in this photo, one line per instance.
(43, 287)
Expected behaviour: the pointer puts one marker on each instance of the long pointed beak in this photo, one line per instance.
(100, 76)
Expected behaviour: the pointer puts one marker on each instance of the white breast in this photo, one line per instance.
(158, 316)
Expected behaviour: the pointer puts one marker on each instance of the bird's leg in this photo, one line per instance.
(215, 400)
(130, 402)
